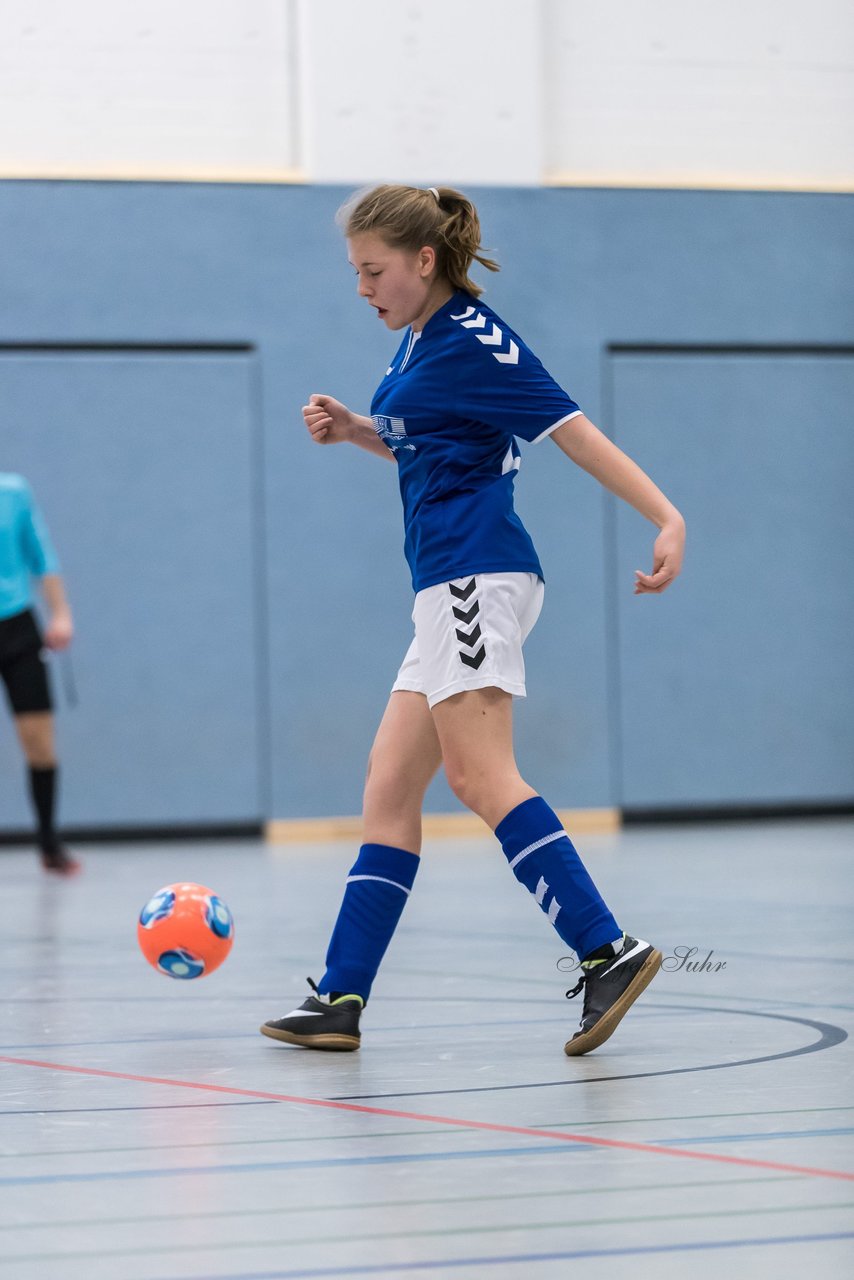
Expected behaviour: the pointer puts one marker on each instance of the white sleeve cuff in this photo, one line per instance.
(555, 425)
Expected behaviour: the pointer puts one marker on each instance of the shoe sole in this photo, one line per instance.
(65, 869)
(608, 1023)
(328, 1040)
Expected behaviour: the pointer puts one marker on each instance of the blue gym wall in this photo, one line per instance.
(241, 598)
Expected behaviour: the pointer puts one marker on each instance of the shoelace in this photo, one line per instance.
(578, 986)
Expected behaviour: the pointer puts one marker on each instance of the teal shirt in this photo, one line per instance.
(26, 551)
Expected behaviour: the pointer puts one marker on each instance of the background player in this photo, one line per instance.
(459, 390)
(26, 553)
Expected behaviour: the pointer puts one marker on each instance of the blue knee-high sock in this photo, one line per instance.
(543, 859)
(376, 892)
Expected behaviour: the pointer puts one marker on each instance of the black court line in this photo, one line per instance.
(729, 349)
(159, 832)
(170, 1106)
(692, 815)
(130, 348)
(829, 1036)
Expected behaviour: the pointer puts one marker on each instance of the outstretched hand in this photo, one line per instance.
(328, 420)
(667, 556)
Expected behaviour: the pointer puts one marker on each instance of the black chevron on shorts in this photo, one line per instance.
(470, 655)
(467, 615)
(472, 637)
(463, 593)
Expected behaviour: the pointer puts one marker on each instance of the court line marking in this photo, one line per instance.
(441, 1264)
(829, 1036)
(408, 1133)
(486, 1125)
(277, 1166)
(378, 1205)
(433, 1233)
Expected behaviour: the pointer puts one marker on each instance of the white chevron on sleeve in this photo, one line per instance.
(508, 357)
(491, 340)
(464, 315)
(477, 323)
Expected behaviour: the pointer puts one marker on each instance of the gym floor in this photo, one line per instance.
(150, 1133)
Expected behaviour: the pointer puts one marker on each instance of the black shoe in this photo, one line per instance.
(59, 861)
(610, 988)
(320, 1023)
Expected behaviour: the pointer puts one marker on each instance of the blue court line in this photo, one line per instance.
(754, 1137)
(443, 1264)
(275, 1166)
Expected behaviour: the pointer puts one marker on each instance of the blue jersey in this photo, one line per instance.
(25, 547)
(450, 407)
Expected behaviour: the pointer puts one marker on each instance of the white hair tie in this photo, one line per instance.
(434, 192)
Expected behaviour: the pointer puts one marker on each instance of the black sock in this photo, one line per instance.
(43, 791)
(608, 952)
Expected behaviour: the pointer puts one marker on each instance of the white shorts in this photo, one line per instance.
(469, 635)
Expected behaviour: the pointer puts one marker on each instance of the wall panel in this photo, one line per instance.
(145, 466)
(737, 685)
(582, 271)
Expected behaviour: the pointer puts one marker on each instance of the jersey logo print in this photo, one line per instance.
(471, 318)
(470, 656)
(392, 431)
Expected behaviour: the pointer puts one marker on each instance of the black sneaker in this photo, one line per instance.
(611, 986)
(320, 1022)
(56, 859)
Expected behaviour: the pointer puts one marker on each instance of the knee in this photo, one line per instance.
(37, 745)
(386, 783)
(465, 784)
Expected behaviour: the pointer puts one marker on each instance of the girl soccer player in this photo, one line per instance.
(26, 553)
(460, 389)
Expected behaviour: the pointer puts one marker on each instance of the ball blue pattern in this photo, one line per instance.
(160, 907)
(218, 917)
(181, 964)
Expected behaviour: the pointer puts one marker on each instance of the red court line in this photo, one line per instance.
(331, 1105)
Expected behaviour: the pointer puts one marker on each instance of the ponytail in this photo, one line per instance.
(411, 217)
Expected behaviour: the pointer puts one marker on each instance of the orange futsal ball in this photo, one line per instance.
(185, 931)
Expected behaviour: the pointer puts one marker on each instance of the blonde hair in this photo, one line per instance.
(412, 217)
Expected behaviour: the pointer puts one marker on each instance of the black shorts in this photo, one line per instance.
(23, 670)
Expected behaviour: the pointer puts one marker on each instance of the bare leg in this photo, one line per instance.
(475, 730)
(35, 732)
(403, 760)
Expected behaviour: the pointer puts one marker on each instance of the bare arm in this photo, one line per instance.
(591, 450)
(60, 628)
(331, 422)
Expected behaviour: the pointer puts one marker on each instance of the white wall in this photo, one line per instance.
(433, 91)
(162, 88)
(734, 92)
(665, 92)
